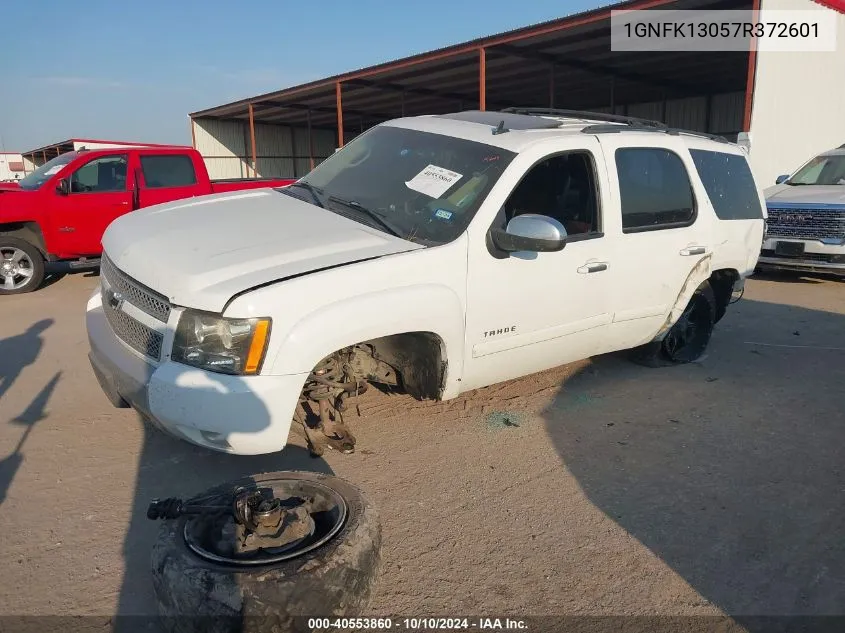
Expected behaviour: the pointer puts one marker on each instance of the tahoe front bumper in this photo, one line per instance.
(245, 415)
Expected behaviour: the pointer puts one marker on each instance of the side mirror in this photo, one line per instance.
(780, 179)
(63, 188)
(530, 232)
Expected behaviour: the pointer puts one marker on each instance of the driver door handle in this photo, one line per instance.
(694, 250)
(592, 267)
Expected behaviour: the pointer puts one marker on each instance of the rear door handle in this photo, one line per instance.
(593, 267)
(694, 250)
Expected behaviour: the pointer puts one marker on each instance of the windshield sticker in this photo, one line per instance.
(433, 181)
(492, 158)
(443, 214)
(55, 169)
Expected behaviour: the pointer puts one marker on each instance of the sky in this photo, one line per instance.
(133, 71)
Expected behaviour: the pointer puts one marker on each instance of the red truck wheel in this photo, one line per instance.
(21, 266)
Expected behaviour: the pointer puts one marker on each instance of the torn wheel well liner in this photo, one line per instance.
(420, 359)
(722, 281)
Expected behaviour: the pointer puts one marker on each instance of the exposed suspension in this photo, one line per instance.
(330, 384)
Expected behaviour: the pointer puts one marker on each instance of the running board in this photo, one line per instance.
(67, 266)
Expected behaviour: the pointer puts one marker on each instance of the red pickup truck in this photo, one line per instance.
(53, 219)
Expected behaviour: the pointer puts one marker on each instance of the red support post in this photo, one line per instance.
(252, 141)
(339, 107)
(310, 140)
(482, 79)
(750, 75)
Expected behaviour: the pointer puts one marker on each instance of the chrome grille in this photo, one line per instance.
(135, 293)
(135, 334)
(808, 224)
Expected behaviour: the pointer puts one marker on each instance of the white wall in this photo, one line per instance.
(226, 148)
(223, 146)
(799, 102)
(6, 172)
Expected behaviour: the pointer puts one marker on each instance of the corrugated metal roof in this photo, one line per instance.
(518, 73)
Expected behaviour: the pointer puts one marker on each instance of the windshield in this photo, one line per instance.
(822, 170)
(419, 186)
(46, 171)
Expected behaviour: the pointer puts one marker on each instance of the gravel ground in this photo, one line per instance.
(596, 488)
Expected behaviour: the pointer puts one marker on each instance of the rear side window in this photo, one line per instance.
(654, 188)
(168, 170)
(729, 184)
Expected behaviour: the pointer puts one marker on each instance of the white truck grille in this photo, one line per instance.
(117, 288)
(137, 294)
(807, 223)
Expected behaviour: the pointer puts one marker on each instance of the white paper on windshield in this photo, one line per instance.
(433, 181)
(53, 170)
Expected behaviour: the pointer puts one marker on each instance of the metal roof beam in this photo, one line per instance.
(599, 69)
(272, 105)
(424, 92)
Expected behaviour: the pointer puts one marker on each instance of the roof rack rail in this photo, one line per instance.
(585, 114)
(674, 131)
(629, 122)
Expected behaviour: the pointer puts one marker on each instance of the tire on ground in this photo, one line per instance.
(35, 256)
(654, 354)
(195, 594)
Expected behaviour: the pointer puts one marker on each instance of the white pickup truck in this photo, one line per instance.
(434, 254)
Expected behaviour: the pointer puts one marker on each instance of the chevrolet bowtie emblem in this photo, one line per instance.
(115, 299)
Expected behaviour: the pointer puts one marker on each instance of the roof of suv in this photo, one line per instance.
(838, 151)
(514, 129)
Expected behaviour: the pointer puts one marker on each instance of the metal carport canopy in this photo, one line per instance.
(566, 62)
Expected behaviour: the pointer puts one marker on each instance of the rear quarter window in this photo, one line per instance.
(729, 184)
(168, 170)
(654, 188)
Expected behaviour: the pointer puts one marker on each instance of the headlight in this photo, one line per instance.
(215, 343)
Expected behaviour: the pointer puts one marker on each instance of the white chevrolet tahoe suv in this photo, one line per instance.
(434, 254)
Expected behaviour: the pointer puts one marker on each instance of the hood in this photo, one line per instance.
(9, 186)
(805, 194)
(202, 252)
(15, 202)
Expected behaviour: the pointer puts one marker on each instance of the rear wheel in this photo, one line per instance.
(21, 266)
(687, 338)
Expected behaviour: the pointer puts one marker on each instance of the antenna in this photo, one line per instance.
(500, 129)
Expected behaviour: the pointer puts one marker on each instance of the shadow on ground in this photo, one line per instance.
(34, 413)
(18, 352)
(786, 276)
(748, 508)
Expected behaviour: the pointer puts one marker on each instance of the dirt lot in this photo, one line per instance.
(605, 488)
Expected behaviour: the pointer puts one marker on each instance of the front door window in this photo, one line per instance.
(100, 175)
